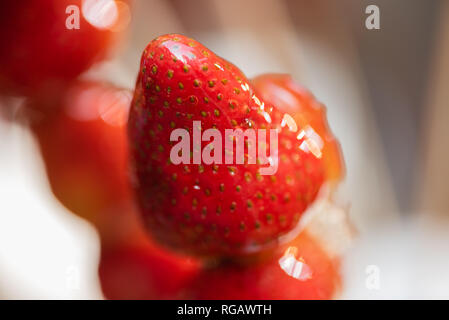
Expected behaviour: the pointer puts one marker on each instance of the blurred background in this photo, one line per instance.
(387, 100)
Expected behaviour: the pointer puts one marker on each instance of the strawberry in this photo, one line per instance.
(214, 209)
(281, 91)
(83, 141)
(140, 270)
(305, 271)
(39, 52)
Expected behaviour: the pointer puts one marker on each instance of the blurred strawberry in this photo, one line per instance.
(144, 271)
(281, 91)
(84, 146)
(38, 51)
(304, 271)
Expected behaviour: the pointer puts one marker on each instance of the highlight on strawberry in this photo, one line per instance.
(280, 90)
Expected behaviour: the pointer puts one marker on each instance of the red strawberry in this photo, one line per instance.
(213, 209)
(141, 271)
(281, 91)
(38, 51)
(83, 141)
(304, 271)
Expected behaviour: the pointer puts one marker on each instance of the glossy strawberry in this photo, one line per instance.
(140, 270)
(304, 271)
(213, 209)
(83, 141)
(38, 51)
(281, 91)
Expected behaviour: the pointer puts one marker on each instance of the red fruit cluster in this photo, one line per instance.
(228, 212)
(303, 271)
